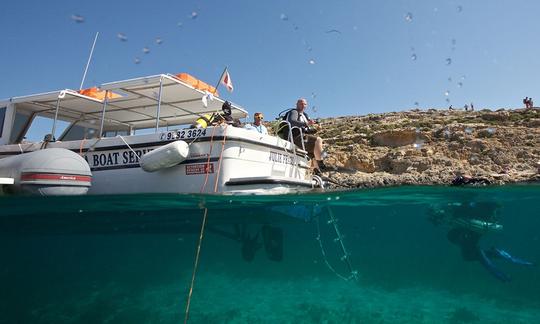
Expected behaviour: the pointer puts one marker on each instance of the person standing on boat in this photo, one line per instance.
(257, 124)
(313, 144)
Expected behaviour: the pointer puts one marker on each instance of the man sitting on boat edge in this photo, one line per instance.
(313, 144)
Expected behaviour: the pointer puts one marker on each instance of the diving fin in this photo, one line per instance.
(486, 262)
(505, 255)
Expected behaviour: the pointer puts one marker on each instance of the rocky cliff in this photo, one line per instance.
(432, 147)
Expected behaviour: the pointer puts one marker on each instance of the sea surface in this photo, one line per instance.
(365, 256)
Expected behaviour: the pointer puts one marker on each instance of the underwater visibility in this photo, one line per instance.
(387, 255)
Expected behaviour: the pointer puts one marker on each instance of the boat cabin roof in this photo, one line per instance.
(128, 104)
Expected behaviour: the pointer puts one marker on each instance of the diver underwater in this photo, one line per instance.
(468, 222)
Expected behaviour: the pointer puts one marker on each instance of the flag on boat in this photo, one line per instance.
(226, 81)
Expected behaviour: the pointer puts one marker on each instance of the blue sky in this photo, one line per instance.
(346, 57)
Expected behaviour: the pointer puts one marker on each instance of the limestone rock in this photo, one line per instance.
(430, 147)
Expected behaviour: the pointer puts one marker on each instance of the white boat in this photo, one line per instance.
(146, 121)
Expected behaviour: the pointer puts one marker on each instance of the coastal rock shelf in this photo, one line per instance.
(426, 147)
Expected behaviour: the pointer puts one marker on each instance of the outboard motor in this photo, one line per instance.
(47, 172)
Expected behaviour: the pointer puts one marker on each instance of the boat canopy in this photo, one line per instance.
(134, 104)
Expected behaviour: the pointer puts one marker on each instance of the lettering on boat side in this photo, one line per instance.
(126, 157)
(184, 133)
(280, 158)
(202, 168)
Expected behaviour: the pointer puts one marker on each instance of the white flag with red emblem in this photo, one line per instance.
(226, 81)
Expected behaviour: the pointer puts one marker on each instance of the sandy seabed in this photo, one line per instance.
(219, 298)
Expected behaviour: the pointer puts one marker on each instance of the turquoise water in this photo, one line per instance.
(130, 259)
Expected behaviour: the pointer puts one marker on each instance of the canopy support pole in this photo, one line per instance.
(159, 102)
(60, 96)
(103, 113)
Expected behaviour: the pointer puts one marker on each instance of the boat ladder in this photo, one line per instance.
(333, 221)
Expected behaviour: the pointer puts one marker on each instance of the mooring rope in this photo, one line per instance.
(196, 265)
(203, 225)
(207, 166)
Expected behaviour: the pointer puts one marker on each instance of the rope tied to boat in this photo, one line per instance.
(205, 215)
(196, 265)
(207, 166)
(220, 157)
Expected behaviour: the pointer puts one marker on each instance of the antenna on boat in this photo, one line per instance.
(89, 59)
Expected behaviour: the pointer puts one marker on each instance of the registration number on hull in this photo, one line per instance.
(181, 134)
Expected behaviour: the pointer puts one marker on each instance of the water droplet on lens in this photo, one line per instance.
(77, 18)
(146, 50)
(447, 93)
(283, 17)
(312, 61)
(194, 15)
(463, 77)
(122, 37)
(459, 8)
(409, 17)
(448, 61)
(413, 57)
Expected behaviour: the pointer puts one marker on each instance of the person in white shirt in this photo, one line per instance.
(257, 124)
